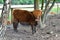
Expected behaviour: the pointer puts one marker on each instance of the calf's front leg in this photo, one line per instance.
(15, 24)
(33, 29)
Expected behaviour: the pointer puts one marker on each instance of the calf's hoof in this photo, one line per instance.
(15, 30)
(33, 32)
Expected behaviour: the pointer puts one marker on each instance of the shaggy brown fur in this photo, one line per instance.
(25, 16)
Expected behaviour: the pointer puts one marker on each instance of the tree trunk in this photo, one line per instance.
(42, 25)
(51, 6)
(36, 4)
(42, 5)
(4, 16)
(46, 12)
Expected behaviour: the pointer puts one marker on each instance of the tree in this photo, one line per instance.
(45, 11)
(4, 16)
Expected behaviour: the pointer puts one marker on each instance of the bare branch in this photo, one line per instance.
(42, 4)
(51, 6)
(46, 5)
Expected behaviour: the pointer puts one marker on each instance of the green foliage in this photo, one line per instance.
(43, 0)
(58, 1)
(15, 2)
(22, 2)
(1, 1)
(55, 9)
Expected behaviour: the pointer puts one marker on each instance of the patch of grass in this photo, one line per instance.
(55, 9)
(9, 17)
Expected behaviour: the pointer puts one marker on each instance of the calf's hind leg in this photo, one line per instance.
(15, 24)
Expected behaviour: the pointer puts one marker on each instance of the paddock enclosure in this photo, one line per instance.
(26, 20)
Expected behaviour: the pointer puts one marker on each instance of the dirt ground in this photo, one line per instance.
(51, 32)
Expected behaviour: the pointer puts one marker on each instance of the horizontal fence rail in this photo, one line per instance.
(27, 6)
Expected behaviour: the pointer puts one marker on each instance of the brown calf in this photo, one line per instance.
(24, 16)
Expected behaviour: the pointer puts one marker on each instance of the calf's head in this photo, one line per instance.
(37, 14)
